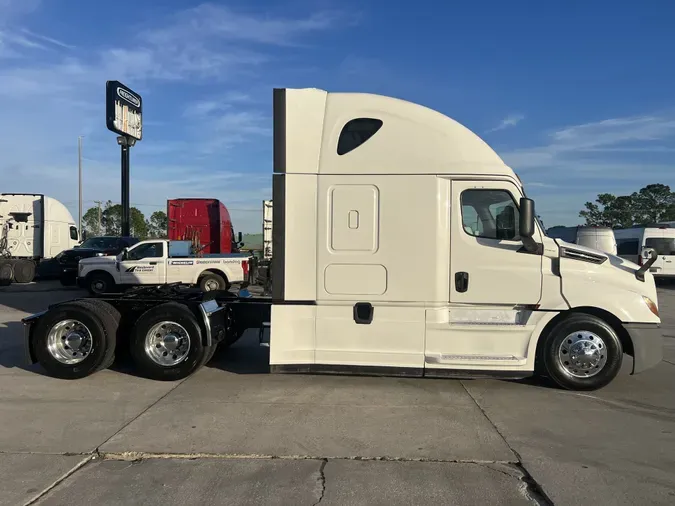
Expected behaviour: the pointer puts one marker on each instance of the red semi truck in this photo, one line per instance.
(205, 222)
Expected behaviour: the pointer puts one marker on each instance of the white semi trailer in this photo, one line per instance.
(33, 227)
(403, 245)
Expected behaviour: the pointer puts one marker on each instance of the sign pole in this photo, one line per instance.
(125, 147)
(124, 109)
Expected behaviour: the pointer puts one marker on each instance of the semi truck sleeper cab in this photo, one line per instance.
(403, 244)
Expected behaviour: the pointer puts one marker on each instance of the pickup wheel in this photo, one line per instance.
(74, 340)
(166, 343)
(582, 352)
(99, 283)
(211, 281)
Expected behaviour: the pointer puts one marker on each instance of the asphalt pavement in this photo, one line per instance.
(233, 434)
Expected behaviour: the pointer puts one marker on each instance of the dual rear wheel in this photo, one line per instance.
(77, 339)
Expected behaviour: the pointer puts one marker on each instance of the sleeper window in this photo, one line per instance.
(491, 214)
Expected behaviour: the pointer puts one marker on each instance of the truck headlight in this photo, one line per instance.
(80, 268)
(651, 305)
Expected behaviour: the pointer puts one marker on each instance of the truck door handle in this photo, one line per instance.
(461, 281)
(363, 313)
(153, 263)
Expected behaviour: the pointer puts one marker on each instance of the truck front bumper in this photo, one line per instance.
(647, 339)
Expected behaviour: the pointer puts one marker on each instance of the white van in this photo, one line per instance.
(630, 242)
(600, 238)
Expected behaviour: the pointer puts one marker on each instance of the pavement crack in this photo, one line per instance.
(152, 404)
(531, 489)
(529, 486)
(59, 480)
(137, 456)
(321, 482)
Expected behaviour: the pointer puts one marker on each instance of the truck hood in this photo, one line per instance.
(594, 278)
(107, 260)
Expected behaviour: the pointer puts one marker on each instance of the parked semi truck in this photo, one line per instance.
(205, 222)
(484, 292)
(33, 228)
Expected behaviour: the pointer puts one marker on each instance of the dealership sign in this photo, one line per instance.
(124, 110)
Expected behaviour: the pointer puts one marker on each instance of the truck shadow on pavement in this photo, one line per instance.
(12, 351)
(243, 357)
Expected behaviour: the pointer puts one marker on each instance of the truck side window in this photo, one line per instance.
(356, 132)
(150, 250)
(490, 214)
(73, 233)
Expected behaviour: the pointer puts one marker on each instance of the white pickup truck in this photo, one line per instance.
(157, 262)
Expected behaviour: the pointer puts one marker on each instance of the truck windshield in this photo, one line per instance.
(100, 243)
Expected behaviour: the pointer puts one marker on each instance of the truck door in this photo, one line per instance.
(664, 247)
(488, 263)
(145, 264)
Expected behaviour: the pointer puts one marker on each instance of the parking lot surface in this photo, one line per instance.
(233, 434)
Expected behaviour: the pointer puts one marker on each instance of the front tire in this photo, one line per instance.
(211, 282)
(99, 283)
(582, 352)
(166, 343)
(74, 340)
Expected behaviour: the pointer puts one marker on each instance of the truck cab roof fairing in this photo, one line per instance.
(412, 139)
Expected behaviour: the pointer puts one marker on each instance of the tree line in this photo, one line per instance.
(655, 203)
(107, 220)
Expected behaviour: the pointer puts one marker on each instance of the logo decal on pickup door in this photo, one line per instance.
(141, 268)
(181, 262)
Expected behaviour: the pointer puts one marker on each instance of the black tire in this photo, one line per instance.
(194, 356)
(24, 271)
(111, 319)
(102, 342)
(6, 273)
(99, 283)
(208, 281)
(566, 337)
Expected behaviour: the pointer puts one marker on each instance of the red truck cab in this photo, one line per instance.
(205, 222)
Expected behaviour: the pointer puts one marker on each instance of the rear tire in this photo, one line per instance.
(582, 352)
(24, 271)
(73, 340)
(111, 319)
(212, 282)
(99, 283)
(166, 343)
(6, 273)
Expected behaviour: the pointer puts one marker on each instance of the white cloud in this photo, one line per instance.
(568, 145)
(510, 121)
(52, 92)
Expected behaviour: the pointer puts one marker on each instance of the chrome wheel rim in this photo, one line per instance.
(167, 343)
(69, 342)
(211, 284)
(582, 354)
(98, 286)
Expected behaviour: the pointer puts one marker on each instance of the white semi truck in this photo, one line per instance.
(357, 178)
(33, 228)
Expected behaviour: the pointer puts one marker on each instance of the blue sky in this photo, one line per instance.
(576, 96)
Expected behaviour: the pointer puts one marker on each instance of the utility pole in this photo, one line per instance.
(79, 173)
(98, 203)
